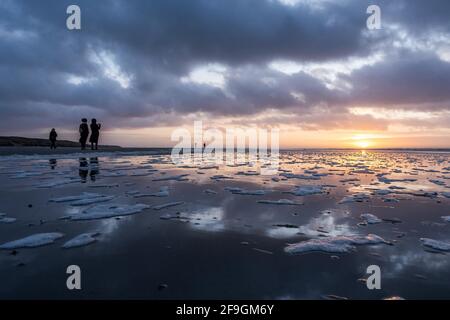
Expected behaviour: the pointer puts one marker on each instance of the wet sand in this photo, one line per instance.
(68, 150)
(220, 238)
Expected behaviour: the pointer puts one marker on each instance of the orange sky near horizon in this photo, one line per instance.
(289, 138)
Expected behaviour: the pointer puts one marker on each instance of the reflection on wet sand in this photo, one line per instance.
(90, 168)
(342, 211)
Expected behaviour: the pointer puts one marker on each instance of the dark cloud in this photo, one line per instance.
(127, 62)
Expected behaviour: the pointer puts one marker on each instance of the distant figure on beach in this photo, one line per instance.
(84, 133)
(52, 138)
(95, 132)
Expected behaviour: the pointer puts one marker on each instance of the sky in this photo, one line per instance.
(310, 68)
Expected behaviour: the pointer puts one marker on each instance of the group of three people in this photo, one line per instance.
(84, 134)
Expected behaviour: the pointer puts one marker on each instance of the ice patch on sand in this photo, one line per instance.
(181, 177)
(104, 211)
(85, 202)
(5, 219)
(307, 190)
(163, 192)
(83, 239)
(357, 197)
(340, 244)
(35, 240)
(83, 196)
(241, 191)
(280, 202)
(436, 244)
(167, 205)
(370, 218)
(56, 183)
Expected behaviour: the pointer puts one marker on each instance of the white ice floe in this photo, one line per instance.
(340, 244)
(5, 219)
(56, 183)
(220, 177)
(83, 196)
(436, 244)
(381, 177)
(114, 174)
(446, 218)
(240, 191)
(35, 240)
(307, 190)
(280, 202)
(370, 218)
(83, 239)
(181, 177)
(104, 211)
(248, 173)
(349, 180)
(437, 182)
(382, 192)
(85, 202)
(299, 176)
(357, 197)
(209, 191)
(251, 192)
(167, 205)
(163, 192)
(104, 185)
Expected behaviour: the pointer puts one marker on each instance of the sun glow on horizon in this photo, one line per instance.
(363, 144)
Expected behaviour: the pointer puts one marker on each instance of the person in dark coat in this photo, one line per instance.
(52, 138)
(95, 133)
(84, 133)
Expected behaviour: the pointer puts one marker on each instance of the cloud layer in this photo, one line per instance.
(139, 64)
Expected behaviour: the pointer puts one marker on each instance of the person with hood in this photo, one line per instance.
(95, 133)
(84, 133)
(52, 138)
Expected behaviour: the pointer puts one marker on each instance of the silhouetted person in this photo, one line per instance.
(84, 133)
(95, 132)
(52, 138)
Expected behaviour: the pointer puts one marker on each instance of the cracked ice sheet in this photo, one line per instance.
(35, 240)
(340, 244)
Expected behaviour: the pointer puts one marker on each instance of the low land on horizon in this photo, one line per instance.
(10, 145)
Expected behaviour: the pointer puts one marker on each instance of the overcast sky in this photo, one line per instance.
(309, 67)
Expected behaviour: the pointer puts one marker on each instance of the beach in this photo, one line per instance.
(140, 227)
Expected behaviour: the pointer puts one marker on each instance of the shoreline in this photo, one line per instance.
(41, 150)
(26, 150)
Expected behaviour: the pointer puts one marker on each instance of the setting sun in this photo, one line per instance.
(363, 144)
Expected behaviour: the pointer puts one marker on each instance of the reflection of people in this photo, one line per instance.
(93, 165)
(52, 138)
(83, 170)
(52, 163)
(95, 133)
(84, 133)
